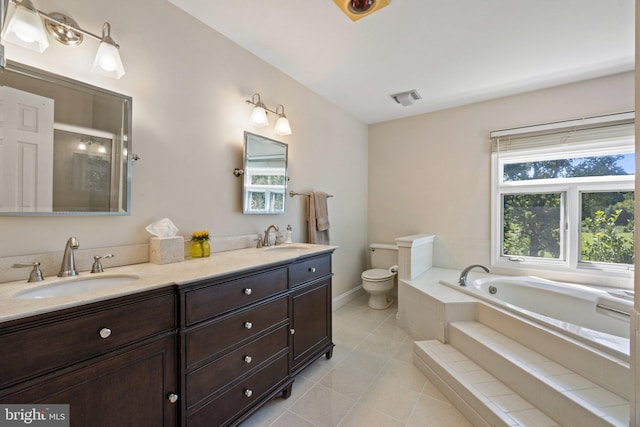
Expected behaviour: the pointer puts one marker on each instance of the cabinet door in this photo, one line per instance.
(311, 323)
(131, 388)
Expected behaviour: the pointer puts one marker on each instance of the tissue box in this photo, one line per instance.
(165, 250)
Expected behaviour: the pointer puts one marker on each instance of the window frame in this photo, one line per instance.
(270, 190)
(571, 190)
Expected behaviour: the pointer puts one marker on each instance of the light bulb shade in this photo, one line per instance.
(25, 28)
(282, 126)
(108, 61)
(259, 117)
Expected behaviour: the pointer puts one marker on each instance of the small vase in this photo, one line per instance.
(196, 249)
(206, 248)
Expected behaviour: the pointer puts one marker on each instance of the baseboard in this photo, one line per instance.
(347, 297)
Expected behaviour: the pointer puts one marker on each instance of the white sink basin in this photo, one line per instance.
(75, 286)
(288, 247)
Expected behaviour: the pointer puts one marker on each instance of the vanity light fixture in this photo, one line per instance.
(107, 61)
(282, 124)
(259, 117)
(25, 28)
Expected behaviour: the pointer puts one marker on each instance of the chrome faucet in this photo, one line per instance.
(266, 241)
(36, 273)
(97, 263)
(462, 281)
(68, 267)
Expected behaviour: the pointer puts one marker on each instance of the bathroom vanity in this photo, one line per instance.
(202, 351)
(113, 361)
(245, 336)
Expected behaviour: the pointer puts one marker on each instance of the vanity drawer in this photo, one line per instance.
(206, 303)
(247, 393)
(52, 342)
(310, 269)
(208, 340)
(208, 379)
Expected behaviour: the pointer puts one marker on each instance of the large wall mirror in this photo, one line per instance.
(265, 175)
(65, 146)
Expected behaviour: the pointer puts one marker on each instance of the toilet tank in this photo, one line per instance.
(383, 255)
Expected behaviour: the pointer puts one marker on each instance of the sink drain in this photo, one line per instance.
(493, 290)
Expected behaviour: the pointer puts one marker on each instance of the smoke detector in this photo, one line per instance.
(406, 98)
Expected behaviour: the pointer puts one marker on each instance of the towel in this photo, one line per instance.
(318, 218)
(322, 211)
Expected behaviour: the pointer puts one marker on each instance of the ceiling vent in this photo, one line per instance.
(406, 98)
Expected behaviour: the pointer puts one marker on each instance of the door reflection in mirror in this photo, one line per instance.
(64, 146)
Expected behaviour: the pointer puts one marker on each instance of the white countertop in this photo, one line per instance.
(152, 276)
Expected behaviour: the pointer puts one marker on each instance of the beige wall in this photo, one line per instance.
(189, 85)
(428, 173)
(431, 173)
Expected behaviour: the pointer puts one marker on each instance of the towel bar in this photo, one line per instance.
(293, 193)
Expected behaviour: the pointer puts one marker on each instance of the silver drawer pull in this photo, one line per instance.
(248, 325)
(247, 359)
(247, 291)
(173, 398)
(292, 331)
(105, 333)
(248, 392)
(312, 269)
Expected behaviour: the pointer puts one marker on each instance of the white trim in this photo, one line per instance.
(84, 131)
(570, 188)
(347, 297)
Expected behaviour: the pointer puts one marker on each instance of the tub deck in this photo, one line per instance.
(503, 369)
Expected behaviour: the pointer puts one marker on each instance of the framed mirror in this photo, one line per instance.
(265, 175)
(65, 146)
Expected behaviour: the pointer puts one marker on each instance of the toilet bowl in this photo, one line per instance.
(380, 280)
(378, 283)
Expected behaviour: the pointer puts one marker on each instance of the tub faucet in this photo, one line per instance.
(266, 241)
(68, 267)
(462, 281)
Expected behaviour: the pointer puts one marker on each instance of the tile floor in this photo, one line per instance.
(370, 381)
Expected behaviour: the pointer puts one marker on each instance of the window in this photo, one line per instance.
(265, 191)
(565, 200)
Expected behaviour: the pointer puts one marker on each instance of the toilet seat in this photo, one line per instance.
(377, 275)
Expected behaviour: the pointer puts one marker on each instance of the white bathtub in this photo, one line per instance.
(598, 316)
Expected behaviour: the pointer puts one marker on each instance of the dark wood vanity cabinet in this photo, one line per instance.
(310, 281)
(208, 353)
(234, 345)
(113, 362)
(245, 336)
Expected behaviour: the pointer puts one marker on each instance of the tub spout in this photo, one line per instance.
(462, 281)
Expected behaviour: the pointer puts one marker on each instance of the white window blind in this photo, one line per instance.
(613, 128)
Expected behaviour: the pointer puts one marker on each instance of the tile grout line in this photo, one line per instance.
(378, 374)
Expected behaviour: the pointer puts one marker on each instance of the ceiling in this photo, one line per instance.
(453, 52)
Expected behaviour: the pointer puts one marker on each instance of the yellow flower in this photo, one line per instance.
(200, 235)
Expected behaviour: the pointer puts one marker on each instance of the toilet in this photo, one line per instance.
(379, 281)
